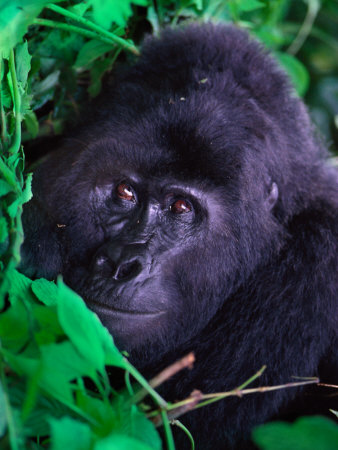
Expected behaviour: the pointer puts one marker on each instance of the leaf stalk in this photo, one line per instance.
(16, 142)
(92, 26)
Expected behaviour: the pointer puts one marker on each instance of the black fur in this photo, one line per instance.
(249, 276)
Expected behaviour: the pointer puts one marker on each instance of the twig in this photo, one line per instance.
(334, 386)
(260, 389)
(148, 390)
(251, 379)
(177, 409)
(183, 363)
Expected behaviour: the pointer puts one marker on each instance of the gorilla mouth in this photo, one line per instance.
(99, 308)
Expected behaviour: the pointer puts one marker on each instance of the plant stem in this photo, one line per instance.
(143, 382)
(91, 25)
(8, 175)
(185, 430)
(251, 379)
(158, 7)
(17, 241)
(185, 362)
(72, 29)
(15, 145)
(305, 29)
(167, 430)
(128, 383)
(3, 122)
(8, 408)
(288, 27)
(216, 397)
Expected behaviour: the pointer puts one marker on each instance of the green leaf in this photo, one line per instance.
(5, 188)
(307, 433)
(70, 434)
(249, 5)
(19, 285)
(91, 51)
(46, 291)
(49, 329)
(118, 11)
(3, 418)
(22, 63)
(121, 442)
(6, 96)
(62, 359)
(47, 84)
(3, 229)
(8, 174)
(97, 71)
(13, 208)
(44, 408)
(143, 429)
(55, 382)
(79, 9)
(31, 123)
(85, 330)
(22, 365)
(296, 70)
(101, 411)
(14, 327)
(15, 17)
(27, 191)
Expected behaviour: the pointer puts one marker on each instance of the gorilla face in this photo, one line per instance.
(148, 225)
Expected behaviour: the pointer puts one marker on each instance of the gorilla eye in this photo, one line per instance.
(180, 207)
(125, 192)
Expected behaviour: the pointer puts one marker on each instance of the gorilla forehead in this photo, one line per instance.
(197, 137)
(196, 109)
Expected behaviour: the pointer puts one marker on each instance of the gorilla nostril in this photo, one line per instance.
(127, 270)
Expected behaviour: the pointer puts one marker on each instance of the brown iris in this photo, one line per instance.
(125, 192)
(180, 207)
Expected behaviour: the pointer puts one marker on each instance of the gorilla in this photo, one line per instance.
(193, 210)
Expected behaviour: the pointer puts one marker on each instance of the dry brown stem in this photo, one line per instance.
(184, 363)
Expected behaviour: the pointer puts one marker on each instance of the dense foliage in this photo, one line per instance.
(53, 351)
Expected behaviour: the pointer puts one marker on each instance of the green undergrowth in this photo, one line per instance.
(54, 353)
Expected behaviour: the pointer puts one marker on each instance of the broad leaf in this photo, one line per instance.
(15, 17)
(85, 330)
(70, 434)
(118, 11)
(307, 433)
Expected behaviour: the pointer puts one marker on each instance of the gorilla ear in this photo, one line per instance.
(272, 197)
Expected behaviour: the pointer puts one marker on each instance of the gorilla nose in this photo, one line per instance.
(116, 263)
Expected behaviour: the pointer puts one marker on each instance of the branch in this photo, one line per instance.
(183, 363)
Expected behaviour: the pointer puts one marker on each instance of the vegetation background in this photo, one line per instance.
(54, 353)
